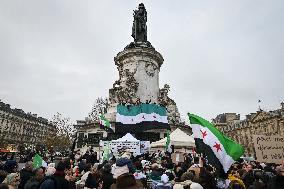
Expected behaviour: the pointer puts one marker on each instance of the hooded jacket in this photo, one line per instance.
(125, 161)
(233, 178)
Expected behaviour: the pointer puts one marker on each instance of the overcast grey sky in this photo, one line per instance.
(220, 56)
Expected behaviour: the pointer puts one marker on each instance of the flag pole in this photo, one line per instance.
(99, 151)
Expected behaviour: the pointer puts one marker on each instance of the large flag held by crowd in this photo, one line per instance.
(138, 118)
(220, 151)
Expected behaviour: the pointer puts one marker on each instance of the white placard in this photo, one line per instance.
(144, 146)
(118, 146)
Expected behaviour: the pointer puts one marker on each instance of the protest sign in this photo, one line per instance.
(269, 149)
(144, 146)
(177, 157)
(119, 146)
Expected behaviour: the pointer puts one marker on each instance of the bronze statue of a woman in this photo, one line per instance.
(139, 28)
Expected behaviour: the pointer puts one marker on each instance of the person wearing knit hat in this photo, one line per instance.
(13, 180)
(119, 170)
(123, 165)
(50, 171)
(127, 181)
(57, 180)
(10, 166)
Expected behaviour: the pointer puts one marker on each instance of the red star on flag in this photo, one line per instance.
(217, 146)
(204, 134)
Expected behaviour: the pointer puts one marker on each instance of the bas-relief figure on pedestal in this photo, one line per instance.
(150, 69)
(124, 90)
(165, 100)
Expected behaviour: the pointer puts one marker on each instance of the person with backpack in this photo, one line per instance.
(56, 181)
(26, 173)
(34, 182)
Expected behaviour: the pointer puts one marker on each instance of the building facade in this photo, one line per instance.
(20, 128)
(258, 123)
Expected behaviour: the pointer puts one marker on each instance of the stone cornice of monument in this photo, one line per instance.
(138, 51)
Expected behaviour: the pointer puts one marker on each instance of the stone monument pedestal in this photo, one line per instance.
(139, 67)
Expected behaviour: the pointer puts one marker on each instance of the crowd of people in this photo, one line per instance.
(155, 170)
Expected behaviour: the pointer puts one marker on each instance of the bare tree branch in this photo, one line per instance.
(65, 131)
(100, 107)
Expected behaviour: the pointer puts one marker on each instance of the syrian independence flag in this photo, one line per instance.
(168, 143)
(220, 151)
(38, 162)
(138, 118)
(105, 124)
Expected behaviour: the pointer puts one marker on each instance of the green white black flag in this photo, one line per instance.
(104, 122)
(211, 142)
(141, 117)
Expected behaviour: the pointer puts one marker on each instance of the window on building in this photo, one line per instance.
(94, 139)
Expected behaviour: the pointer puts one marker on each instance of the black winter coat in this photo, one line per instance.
(25, 175)
(107, 179)
(276, 183)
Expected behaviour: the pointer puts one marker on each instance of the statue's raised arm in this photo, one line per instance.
(139, 28)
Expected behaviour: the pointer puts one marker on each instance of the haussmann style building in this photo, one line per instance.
(18, 128)
(259, 123)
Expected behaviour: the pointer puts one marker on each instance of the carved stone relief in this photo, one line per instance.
(150, 69)
(124, 90)
(165, 100)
